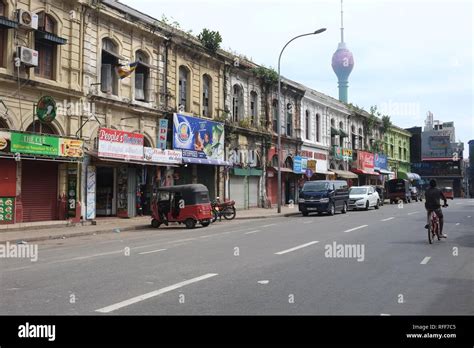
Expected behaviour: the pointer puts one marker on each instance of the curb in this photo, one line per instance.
(128, 228)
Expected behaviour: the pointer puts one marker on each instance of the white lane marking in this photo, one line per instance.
(414, 212)
(152, 251)
(390, 218)
(425, 260)
(308, 222)
(206, 236)
(457, 224)
(88, 257)
(148, 295)
(263, 282)
(268, 225)
(458, 203)
(385, 314)
(254, 231)
(296, 248)
(469, 216)
(356, 228)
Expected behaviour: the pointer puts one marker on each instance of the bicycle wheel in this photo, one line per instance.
(430, 227)
(229, 213)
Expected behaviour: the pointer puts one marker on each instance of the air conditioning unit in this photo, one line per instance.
(28, 56)
(27, 19)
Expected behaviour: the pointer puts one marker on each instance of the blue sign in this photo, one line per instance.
(202, 141)
(309, 173)
(297, 164)
(380, 161)
(162, 133)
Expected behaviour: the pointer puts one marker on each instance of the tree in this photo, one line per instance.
(211, 40)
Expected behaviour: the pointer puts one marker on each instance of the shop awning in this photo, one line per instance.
(344, 174)
(7, 23)
(209, 161)
(363, 172)
(383, 171)
(413, 176)
(48, 37)
(283, 169)
(334, 131)
(343, 134)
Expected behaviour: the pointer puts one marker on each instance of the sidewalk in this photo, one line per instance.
(60, 230)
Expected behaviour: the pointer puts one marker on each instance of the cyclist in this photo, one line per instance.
(432, 197)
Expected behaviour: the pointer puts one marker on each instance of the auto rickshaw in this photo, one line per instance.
(448, 192)
(187, 204)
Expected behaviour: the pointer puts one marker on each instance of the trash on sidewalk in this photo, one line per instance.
(116, 230)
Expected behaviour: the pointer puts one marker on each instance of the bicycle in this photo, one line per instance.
(434, 226)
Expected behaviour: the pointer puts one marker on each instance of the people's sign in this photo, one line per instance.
(119, 144)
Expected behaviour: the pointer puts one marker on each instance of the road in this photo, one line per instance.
(274, 266)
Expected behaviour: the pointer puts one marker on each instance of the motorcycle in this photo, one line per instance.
(224, 209)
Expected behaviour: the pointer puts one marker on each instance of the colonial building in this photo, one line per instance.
(40, 67)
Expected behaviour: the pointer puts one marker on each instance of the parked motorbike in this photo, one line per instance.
(223, 209)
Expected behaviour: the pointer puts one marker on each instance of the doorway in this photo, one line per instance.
(105, 199)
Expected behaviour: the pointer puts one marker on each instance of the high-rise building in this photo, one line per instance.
(342, 63)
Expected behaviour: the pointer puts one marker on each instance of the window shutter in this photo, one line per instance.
(139, 86)
(106, 78)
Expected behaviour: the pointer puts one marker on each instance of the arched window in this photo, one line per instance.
(333, 122)
(275, 161)
(306, 124)
(361, 140)
(318, 128)
(253, 108)
(142, 77)
(43, 128)
(237, 103)
(146, 142)
(288, 163)
(109, 61)
(46, 48)
(275, 115)
(183, 88)
(3, 35)
(206, 96)
(289, 119)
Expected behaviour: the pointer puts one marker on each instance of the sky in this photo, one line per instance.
(410, 56)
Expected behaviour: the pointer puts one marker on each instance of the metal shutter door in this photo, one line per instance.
(237, 191)
(253, 191)
(39, 191)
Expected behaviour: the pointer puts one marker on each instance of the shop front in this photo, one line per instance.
(363, 166)
(290, 181)
(316, 161)
(123, 174)
(42, 177)
(340, 160)
(202, 144)
(245, 175)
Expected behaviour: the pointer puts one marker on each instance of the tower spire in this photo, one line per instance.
(342, 23)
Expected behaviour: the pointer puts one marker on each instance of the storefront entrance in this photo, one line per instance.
(39, 187)
(105, 192)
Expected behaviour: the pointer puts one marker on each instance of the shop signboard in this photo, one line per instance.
(380, 161)
(300, 164)
(119, 144)
(90, 194)
(71, 192)
(437, 145)
(162, 133)
(365, 161)
(202, 141)
(312, 165)
(155, 155)
(7, 209)
(342, 153)
(40, 144)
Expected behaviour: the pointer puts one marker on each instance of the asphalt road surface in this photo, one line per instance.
(375, 262)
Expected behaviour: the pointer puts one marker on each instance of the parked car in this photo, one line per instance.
(363, 197)
(398, 189)
(382, 193)
(324, 196)
(448, 192)
(415, 194)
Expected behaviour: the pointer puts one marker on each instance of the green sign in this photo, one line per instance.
(46, 109)
(7, 209)
(34, 144)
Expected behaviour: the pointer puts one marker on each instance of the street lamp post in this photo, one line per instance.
(279, 113)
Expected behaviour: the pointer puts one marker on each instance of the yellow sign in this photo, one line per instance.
(311, 164)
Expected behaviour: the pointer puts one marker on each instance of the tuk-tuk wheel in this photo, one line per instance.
(155, 223)
(205, 223)
(190, 223)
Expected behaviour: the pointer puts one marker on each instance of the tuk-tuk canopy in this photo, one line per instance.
(191, 194)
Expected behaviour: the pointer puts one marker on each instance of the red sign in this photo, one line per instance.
(365, 161)
(311, 154)
(119, 144)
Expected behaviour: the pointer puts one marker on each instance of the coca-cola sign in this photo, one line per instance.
(119, 144)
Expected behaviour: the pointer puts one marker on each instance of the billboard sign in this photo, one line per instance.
(162, 156)
(202, 141)
(437, 145)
